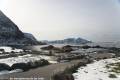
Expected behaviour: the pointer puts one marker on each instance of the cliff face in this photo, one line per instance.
(10, 33)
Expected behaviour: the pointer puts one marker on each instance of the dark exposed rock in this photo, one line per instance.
(50, 47)
(28, 35)
(22, 66)
(32, 64)
(4, 66)
(67, 48)
(10, 33)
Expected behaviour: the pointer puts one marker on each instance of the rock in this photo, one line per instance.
(28, 35)
(50, 47)
(10, 34)
(4, 66)
(67, 48)
(22, 66)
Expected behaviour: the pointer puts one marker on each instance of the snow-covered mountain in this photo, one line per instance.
(10, 33)
(69, 41)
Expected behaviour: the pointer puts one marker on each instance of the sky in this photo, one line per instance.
(95, 20)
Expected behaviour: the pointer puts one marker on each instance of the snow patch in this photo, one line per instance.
(96, 71)
(9, 49)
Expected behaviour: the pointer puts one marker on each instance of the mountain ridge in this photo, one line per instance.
(68, 41)
(10, 34)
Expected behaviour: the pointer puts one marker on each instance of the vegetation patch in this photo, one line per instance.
(113, 67)
(112, 76)
(38, 63)
(67, 73)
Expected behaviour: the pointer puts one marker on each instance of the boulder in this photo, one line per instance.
(22, 66)
(4, 66)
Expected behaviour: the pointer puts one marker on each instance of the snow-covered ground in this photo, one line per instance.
(25, 59)
(9, 49)
(96, 71)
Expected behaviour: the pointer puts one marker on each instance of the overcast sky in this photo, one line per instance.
(96, 20)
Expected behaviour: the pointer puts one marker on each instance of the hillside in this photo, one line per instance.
(10, 34)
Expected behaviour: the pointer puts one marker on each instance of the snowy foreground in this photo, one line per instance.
(96, 71)
(25, 59)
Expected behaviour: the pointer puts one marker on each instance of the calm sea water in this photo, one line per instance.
(106, 44)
